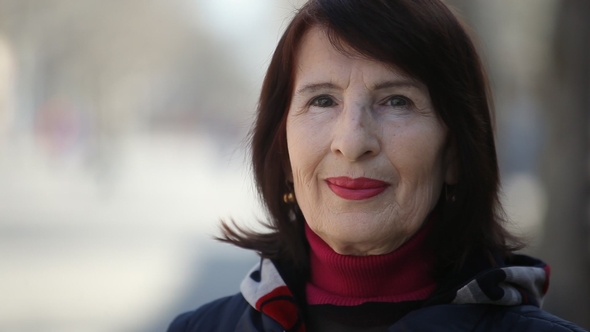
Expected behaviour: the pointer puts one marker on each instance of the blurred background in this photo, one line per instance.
(122, 145)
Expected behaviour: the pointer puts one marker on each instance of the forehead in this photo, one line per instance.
(319, 60)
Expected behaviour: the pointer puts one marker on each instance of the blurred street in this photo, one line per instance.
(85, 255)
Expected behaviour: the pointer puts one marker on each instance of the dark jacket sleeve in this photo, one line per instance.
(218, 316)
(481, 317)
(530, 318)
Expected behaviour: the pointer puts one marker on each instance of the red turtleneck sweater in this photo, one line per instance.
(402, 275)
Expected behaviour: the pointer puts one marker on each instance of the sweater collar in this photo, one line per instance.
(402, 275)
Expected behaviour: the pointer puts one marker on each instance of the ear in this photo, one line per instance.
(451, 163)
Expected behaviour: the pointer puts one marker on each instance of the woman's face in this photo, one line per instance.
(368, 153)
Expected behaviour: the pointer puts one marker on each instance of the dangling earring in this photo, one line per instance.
(450, 195)
(289, 198)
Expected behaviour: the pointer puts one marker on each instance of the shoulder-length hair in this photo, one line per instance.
(425, 40)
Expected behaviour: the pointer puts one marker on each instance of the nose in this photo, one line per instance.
(355, 134)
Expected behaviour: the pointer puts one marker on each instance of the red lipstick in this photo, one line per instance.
(356, 189)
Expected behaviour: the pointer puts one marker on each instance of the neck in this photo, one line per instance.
(402, 275)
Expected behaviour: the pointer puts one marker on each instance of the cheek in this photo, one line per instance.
(434, 154)
(306, 145)
(297, 155)
(419, 155)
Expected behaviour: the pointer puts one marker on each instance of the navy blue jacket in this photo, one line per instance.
(233, 313)
(504, 298)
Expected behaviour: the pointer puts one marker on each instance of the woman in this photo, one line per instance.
(374, 153)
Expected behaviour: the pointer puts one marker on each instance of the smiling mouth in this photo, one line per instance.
(356, 189)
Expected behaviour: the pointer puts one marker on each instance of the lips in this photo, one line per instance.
(356, 189)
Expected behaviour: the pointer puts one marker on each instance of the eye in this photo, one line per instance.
(323, 101)
(398, 101)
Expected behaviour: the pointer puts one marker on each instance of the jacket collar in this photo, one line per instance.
(264, 289)
(523, 280)
(516, 281)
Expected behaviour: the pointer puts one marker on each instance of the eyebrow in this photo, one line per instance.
(314, 87)
(403, 83)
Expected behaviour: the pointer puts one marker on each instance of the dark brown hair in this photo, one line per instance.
(426, 41)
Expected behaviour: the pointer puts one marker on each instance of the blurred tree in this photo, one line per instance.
(567, 107)
(122, 66)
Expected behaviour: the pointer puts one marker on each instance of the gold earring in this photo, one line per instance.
(289, 198)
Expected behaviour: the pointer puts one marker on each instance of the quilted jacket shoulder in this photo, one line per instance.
(483, 317)
(217, 316)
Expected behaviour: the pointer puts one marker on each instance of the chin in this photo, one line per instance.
(360, 241)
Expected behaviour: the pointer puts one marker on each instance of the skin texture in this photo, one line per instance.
(355, 117)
